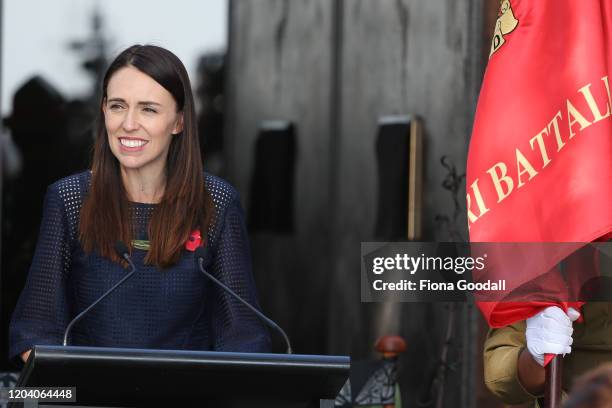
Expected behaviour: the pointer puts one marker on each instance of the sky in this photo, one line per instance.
(36, 34)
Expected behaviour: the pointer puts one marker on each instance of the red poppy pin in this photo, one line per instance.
(194, 240)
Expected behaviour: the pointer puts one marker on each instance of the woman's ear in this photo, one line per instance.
(178, 127)
(104, 106)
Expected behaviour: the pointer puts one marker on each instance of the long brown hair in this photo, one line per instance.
(185, 205)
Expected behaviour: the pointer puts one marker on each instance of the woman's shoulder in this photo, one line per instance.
(75, 183)
(66, 195)
(220, 190)
(71, 190)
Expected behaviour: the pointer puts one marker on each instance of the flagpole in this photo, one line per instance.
(552, 384)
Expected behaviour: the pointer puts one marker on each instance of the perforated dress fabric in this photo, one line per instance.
(174, 308)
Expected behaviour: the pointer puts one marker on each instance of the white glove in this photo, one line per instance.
(550, 332)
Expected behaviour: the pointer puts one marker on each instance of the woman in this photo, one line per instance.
(146, 188)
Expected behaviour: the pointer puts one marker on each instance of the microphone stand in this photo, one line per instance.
(259, 314)
(125, 255)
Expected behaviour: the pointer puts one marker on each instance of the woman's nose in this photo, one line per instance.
(130, 121)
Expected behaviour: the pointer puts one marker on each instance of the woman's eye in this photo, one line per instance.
(115, 106)
(150, 110)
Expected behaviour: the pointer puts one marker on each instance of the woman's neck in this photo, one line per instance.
(144, 186)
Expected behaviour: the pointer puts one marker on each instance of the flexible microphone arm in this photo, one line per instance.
(259, 314)
(123, 252)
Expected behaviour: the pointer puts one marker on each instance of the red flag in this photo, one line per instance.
(540, 159)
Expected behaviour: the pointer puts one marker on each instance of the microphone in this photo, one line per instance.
(200, 254)
(122, 250)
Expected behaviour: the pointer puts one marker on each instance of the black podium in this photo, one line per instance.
(117, 377)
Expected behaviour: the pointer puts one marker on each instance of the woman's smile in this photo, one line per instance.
(131, 144)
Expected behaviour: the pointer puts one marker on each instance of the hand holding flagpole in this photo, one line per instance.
(549, 335)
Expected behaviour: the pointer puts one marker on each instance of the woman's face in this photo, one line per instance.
(141, 119)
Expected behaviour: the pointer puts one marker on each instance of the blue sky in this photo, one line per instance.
(36, 34)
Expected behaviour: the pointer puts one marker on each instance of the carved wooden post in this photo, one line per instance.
(390, 347)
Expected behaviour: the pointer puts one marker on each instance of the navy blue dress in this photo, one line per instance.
(175, 308)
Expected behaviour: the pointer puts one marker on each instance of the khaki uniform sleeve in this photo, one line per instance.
(501, 352)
